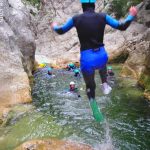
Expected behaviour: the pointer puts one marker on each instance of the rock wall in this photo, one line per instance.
(17, 49)
(132, 47)
(138, 63)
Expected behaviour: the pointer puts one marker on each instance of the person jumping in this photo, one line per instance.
(90, 27)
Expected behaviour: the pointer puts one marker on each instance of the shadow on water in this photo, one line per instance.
(65, 116)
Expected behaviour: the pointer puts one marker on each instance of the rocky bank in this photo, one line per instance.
(17, 50)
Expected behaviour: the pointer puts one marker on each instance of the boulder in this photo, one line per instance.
(53, 144)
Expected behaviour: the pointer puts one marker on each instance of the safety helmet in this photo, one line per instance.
(72, 83)
(71, 65)
(42, 65)
(49, 69)
(109, 68)
(87, 1)
(76, 71)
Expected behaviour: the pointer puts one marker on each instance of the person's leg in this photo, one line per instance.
(103, 74)
(90, 90)
(90, 84)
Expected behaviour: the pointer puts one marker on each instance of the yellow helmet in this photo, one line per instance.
(42, 65)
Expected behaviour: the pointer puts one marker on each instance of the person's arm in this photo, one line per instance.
(64, 28)
(122, 25)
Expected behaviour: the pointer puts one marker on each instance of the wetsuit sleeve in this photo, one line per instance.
(64, 28)
(119, 25)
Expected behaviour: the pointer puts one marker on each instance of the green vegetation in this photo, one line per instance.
(34, 2)
(145, 80)
(120, 7)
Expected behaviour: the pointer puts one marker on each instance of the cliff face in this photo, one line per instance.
(17, 48)
(132, 47)
(137, 64)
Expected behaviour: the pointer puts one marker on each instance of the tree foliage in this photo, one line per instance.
(34, 2)
(120, 7)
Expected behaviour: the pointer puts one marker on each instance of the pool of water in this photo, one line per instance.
(63, 115)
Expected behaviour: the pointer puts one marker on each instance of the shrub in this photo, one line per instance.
(34, 2)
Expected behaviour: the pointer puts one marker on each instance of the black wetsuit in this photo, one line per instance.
(90, 27)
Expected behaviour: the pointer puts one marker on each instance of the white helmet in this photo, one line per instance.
(72, 83)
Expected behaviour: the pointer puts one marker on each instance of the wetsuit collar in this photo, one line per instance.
(89, 9)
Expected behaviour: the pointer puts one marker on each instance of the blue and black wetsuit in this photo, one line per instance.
(90, 27)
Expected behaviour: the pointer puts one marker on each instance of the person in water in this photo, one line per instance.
(49, 71)
(110, 71)
(77, 73)
(73, 88)
(90, 27)
(110, 76)
(71, 66)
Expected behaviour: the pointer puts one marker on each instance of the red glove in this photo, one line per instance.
(53, 25)
(133, 11)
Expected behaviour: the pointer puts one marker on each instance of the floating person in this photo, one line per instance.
(110, 76)
(42, 65)
(73, 88)
(110, 71)
(90, 28)
(50, 72)
(71, 66)
(77, 73)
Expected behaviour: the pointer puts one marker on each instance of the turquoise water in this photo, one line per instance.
(63, 115)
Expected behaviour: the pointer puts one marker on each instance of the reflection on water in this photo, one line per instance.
(63, 115)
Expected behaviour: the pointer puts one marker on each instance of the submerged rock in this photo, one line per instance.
(53, 144)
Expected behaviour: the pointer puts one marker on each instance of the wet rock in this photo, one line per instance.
(15, 113)
(17, 54)
(143, 15)
(53, 144)
(138, 63)
(132, 47)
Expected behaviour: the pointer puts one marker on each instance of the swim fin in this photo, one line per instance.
(96, 111)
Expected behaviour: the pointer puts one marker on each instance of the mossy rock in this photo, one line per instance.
(33, 126)
(1, 121)
(16, 113)
(31, 81)
(128, 72)
(144, 81)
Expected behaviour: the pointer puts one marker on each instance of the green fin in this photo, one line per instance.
(96, 111)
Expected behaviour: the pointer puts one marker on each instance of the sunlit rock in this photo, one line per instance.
(53, 144)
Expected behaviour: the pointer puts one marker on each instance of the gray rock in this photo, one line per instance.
(17, 49)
